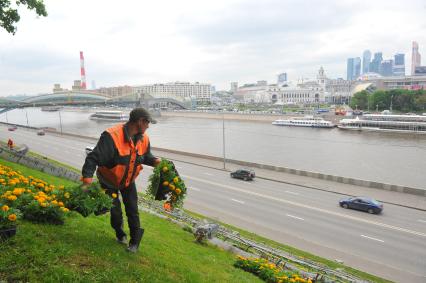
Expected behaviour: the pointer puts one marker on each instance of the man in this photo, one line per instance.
(119, 155)
(10, 144)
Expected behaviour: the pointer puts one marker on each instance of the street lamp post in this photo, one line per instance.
(223, 139)
(60, 120)
(26, 114)
(390, 108)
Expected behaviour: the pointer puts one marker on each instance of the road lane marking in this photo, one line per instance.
(295, 217)
(420, 220)
(239, 201)
(208, 174)
(194, 189)
(292, 193)
(371, 238)
(309, 207)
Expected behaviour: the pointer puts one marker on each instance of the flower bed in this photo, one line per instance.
(41, 202)
(166, 184)
(269, 272)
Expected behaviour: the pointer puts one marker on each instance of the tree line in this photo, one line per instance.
(397, 99)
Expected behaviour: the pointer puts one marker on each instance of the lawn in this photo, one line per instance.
(85, 250)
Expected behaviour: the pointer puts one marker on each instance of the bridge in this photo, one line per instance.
(88, 98)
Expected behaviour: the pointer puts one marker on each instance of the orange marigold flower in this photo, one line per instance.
(178, 191)
(12, 198)
(12, 217)
(61, 204)
(5, 208)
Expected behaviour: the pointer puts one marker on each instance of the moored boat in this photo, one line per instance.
(386, 123)
(110, 116)
(307, 121)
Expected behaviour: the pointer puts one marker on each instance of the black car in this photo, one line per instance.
(362, 203)
(245, 174)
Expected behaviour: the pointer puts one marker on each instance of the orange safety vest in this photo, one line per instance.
(126, 167)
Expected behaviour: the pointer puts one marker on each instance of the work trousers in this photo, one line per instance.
(130, 200)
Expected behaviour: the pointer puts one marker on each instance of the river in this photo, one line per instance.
(383, 157)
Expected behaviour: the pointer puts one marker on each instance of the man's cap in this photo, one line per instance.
(139, 113)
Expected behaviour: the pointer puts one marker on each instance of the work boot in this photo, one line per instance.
(121, 236)
(136, 237)
(122, 240)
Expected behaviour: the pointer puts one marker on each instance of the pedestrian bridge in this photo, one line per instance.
(88, 98)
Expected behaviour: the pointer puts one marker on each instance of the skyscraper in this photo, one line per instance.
(353, 68)
(415, 58)
(357, 67)
(282, 79)
(386, 67)
(399, 65)
(375, 64)
(366, 59)
(349, 69)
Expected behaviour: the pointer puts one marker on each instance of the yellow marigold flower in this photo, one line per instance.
(114, 195)
(67, 195)
(165, 169)
(165, 183)
(54, 202)
(64, 209)
(12, 198)
(5, 208)
(44, 204)
(61, 187)
(172, 187)
(61, 204)
(12, 217)
(175, 180)
(178, 191)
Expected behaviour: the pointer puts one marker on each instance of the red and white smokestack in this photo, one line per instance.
(82, 71)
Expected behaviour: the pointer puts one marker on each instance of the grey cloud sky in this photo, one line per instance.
(137, 42)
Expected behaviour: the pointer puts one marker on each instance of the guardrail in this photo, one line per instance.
(319, 272)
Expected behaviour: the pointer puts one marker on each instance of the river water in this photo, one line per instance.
(383, 157)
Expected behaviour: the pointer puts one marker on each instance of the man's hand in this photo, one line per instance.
(157, 161)
(86, 182)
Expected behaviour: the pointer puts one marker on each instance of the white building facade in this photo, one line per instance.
(201, 92)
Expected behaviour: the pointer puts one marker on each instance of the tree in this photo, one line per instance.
(9, 14)
(360, 100)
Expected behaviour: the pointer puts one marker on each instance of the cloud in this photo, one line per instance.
(137, 42)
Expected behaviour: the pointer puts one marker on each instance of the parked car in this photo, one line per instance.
(89, 149)
(12, 128)
(41, 132)
(244, 174)
(369, 205)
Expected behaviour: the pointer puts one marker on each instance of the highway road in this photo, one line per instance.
(391, 245)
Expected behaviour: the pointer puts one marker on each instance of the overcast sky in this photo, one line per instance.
(217, 41)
